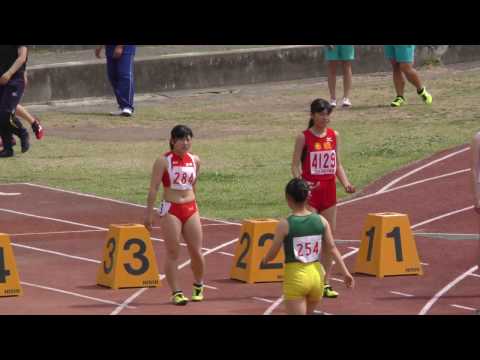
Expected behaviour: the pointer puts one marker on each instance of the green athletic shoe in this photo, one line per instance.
(179, 299)
(329, 293)
(399, 101)
(426, 97)
(197, 295)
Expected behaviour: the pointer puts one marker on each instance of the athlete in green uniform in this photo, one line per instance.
(304, 235)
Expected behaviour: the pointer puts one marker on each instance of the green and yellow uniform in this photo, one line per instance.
(304, 274)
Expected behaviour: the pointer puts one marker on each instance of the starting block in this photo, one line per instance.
(9, 279)
(388, 247)
(255, 241)
(128, 259)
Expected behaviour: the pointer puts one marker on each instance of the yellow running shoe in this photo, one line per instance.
(399, 101)
(179, 299)
(329, 293)
(426, 97)
(197, 295)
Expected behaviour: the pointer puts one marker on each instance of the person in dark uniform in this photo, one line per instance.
(13, 59)
(120, 69)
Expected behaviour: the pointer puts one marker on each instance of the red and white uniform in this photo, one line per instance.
(181, 174)
(319, 168)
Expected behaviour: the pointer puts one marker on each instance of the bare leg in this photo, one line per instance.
(411, 74)
(171, 229)
(193, 235)
(312, 306)
(398, 79)
(347, 79)
(296, 307)
(331, 216)
(24, 114)
(332, 79)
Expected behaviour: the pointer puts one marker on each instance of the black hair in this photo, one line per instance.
(298, 190)
(319, 106)
(179, 132)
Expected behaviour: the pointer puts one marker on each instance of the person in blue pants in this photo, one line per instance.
(120, 70)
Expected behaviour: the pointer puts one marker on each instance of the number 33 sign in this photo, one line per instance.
(256, 238)
(128, 259)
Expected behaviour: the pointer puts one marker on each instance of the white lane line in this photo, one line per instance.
(433, 178)
(337, 280)
(395, 189)
(442, 216)
(71, 293)
(475, 275)
(112, 200)
(463, 307)
(141, 291)
(226, 254)
(401, 294)
(424, 264)
(263, 299)
(210, 287)
(273, 306)
(10, 194)
(52, 219)
(58, 232)
(71, 223)
(396, 181)
(445, 289)
(56, 253)
(280, 300)
(446, 236)
(346, 241)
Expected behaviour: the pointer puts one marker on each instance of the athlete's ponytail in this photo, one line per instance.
(298, 190)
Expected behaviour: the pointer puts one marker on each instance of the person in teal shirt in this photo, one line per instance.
(340, 55)
(402, 58)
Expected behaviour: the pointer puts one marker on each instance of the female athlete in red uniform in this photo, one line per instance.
(178, 170)
(316, 159)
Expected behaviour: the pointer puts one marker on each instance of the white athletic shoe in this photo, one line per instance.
(123, 112)
(127, 112)
(333, 103)
(346, 103)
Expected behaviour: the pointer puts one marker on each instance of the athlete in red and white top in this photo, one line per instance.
(178, 171)
(316, 159)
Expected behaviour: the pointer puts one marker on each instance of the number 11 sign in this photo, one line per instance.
(388, 247)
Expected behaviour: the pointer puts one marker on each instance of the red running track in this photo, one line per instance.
(58, 240)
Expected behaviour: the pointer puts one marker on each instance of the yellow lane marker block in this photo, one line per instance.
(256, 238)
(128, 259)
(388, 247)
(9, 279)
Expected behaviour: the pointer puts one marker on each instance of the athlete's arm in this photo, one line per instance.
(342, 176)
(331, 251)
(297, 156)
(21, 59)
(280, 233)
(157, 173)
(475, 170)
(198, 164)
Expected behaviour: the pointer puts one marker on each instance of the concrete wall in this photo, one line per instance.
(215, 69)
